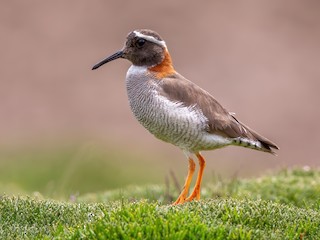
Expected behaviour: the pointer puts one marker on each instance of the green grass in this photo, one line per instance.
(285, 205)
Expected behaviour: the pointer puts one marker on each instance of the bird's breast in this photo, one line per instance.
(167, 120)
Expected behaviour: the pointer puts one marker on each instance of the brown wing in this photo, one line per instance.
(220, 121)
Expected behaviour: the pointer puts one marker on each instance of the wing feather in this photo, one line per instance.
(220, 121)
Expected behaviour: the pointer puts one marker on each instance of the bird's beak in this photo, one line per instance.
(114, 56)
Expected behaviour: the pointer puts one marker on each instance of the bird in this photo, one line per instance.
(178, 111)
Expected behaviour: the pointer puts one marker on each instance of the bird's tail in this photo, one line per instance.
(255, 141)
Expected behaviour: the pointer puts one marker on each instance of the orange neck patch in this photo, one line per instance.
(165, 68)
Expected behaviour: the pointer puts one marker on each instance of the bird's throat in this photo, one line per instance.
(164, 69)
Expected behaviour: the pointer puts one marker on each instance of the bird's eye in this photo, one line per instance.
(140, 42)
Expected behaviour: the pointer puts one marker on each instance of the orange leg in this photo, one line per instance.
(183, 195)
(196, 191)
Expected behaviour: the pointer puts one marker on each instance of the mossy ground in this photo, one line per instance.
(285, 205)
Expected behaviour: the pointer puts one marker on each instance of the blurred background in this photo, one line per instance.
(66, 129)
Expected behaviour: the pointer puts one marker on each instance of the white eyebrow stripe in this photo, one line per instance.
(151, 39)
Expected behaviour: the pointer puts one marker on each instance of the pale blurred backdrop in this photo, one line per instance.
(260, 59)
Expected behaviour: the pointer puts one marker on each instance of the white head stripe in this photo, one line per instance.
(151, 39)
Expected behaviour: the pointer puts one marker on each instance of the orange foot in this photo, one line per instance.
(196, 191)
(183, 195)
